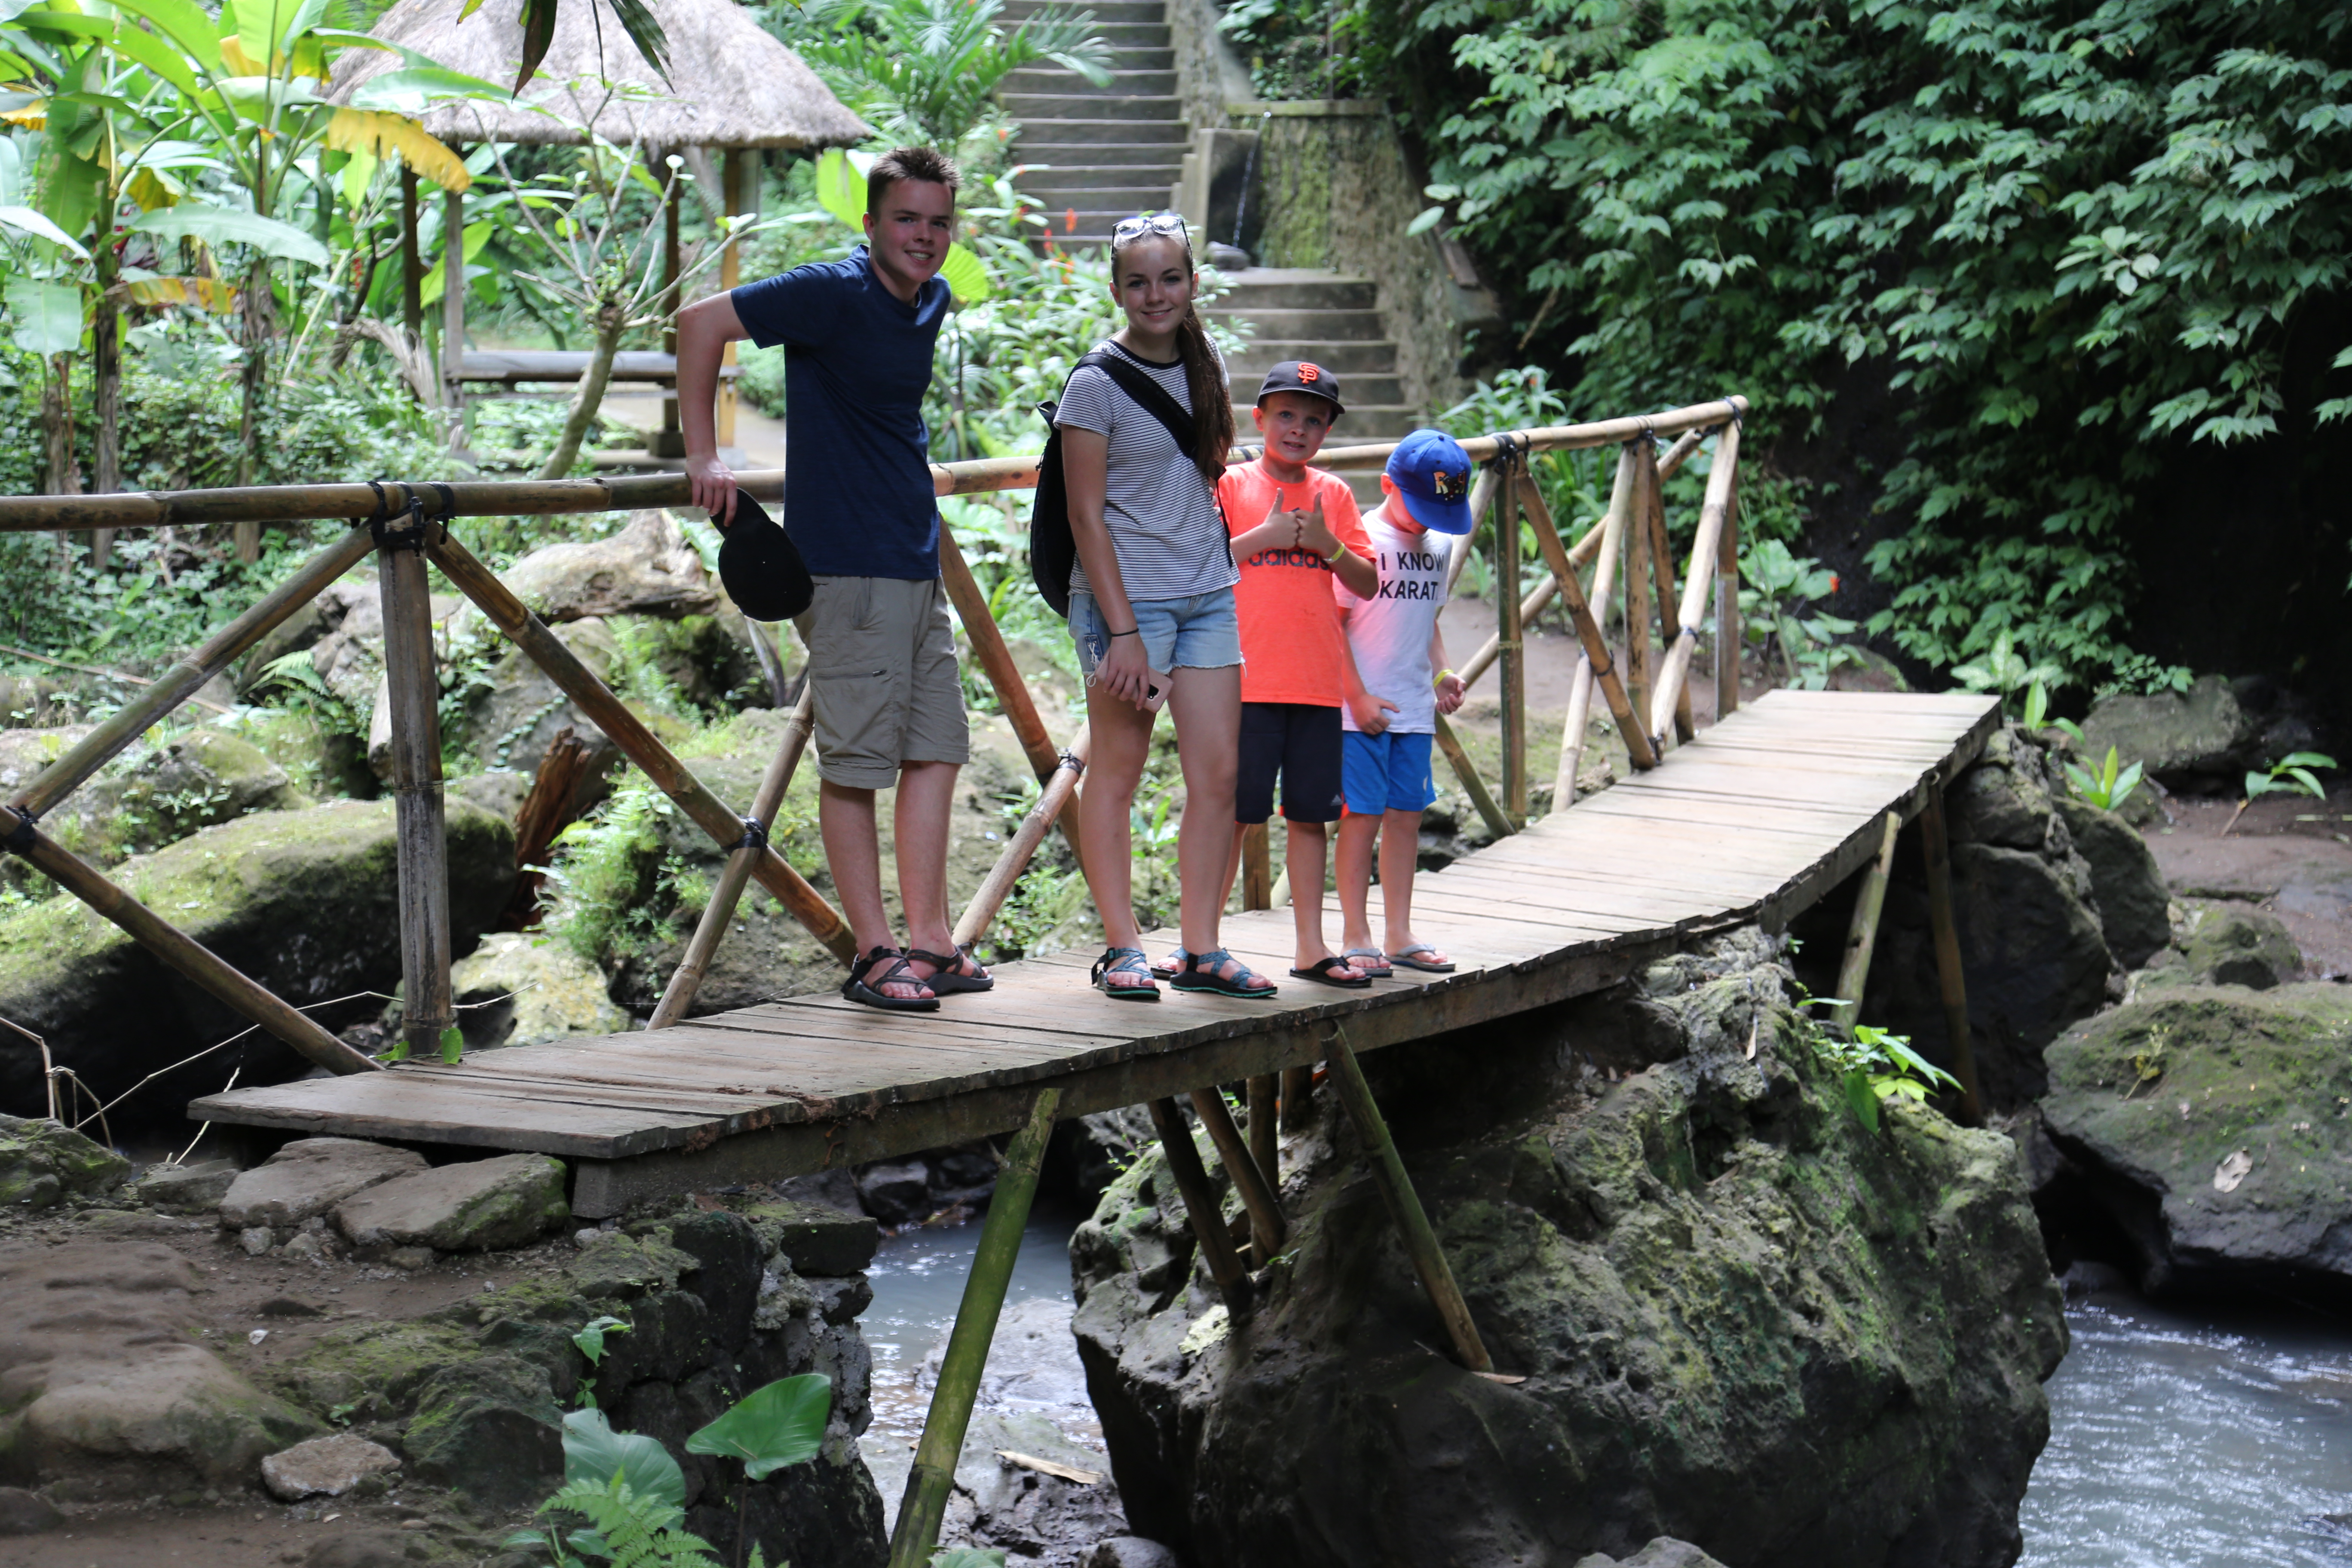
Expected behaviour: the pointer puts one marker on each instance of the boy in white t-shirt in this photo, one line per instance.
(1390, 720)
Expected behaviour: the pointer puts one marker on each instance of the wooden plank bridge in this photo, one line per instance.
(1753, 820)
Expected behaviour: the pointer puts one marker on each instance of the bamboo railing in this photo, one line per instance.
(408, 525)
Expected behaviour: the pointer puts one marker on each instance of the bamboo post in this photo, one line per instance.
(1596, 651)
(1298, 1097)
(1481, 495)
(1472, 786)
(1546, 589)
(1662, 561)
(933, 1478)
(1261, 1093)
(175, 947)
(678, 995)
(1640, 676)
(1713, 516)
(1201, 1210)
(453, 314)
(1951, 978)
(997, 886)
(429, 1008)
(1508, 483)
(738, 182)
(627, 731)
(1404, 1205)
(1581, 685)
(1267, 1226)
(188, 673)
(1258, 867)
(1727, 633)
(1861, 931)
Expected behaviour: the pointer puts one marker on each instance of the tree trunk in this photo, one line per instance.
(106, 395)
(61, 477)
(610, 318)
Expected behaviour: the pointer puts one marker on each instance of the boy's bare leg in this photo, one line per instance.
(1122, 734)
(926, 806)
(1399, 851)
(845, 819)
(1303, 859)
(1356, 832)
(1207, 704)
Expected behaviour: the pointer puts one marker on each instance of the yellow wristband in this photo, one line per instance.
(1439, 679)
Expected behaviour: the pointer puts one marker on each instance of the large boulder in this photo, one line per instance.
(305, 902)
(648, 568)
(309, 1178)
(477, 1205)
(42, 1163)
(108, 1392)
(2201, 737)
(1742, 1318)
(2210, 1123)
(2230, 944)
(2127, 887)
(519, 988)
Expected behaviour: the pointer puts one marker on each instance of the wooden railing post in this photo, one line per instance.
(1641, 678)
(1258, 867)
(1449, 745)
(1662, 561)
(1511, 477)
(1950, 977)
(1728, 634)
(1621, 494)
(1714, 519)
(428, 1006)
(1013, 859)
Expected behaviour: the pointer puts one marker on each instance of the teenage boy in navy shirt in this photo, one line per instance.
(857, 336)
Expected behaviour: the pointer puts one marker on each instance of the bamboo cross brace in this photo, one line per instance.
(1581, 684)
(997, 886)
(1267, 1228)
(716, 914)
(1201, 1210)
(1596, 647)
(925, 1502)
(177, 948)
(188, 673)
(1722, 479)
(626, 731)
(1396, 1188)
(1861, 931)
(1472, 786)
(1260, 1093)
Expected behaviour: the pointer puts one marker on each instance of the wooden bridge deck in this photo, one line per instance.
(1753, 821)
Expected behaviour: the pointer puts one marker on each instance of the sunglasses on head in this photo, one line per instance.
(1128, 230)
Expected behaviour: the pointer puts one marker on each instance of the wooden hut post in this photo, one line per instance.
(429, 1008)
(411, 258)
(1951, 978)
(1861, 931)
(925, 1502)
(1201, 1210)
(1641, 678)
(1411, 1220)
(453, 313)
(669, 441)
(1507, 638)
(739, 185)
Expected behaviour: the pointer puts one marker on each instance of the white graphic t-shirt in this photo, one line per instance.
(1388, 633)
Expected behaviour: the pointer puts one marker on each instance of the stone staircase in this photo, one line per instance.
(1097, 154)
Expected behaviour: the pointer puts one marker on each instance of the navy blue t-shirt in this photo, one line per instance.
(857, 478)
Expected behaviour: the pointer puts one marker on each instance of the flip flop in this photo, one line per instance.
(858, 989)
(1333, 972)
(1407, 959)
(949, 977)
(1376, 970)
(1125, 962)
(1195, 977)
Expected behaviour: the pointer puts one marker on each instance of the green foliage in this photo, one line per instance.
(770, 1427)
(2291, 775)
(1875, 1065)
(969, 1557)
(2105, 788)
(2067, 235)
(605, 868)
(925, 69)
(2010, 671)
(1776, 588)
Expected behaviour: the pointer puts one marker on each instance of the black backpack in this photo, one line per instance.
(1052, 551)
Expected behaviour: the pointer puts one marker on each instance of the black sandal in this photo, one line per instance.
(1199, 974)
(1334, 971)
(857, 988)
(1126, 963)
(947, 976)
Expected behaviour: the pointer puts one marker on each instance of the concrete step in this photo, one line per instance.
(1061, 81)
(1042, 175)
(1298, 288)
(1136, 35)
(1305, 326)
(1371, 423)
(1160, 108)
(1160, 135)
(1043, 144)
(1376, 356)
(1105, 11)
(1089, 199)
(1358, 391)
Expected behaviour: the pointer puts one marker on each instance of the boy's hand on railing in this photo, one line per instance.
(1450, 692)
(712, 484)
(1371, 713)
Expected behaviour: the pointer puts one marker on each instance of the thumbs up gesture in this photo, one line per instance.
(1316, 534)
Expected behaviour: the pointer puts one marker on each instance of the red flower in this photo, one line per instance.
(1833, 583)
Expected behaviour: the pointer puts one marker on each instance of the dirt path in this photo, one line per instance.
(2291, 856)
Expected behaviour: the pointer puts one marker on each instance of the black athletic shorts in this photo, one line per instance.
(1300, 742)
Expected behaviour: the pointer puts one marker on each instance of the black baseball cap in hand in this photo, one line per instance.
(761, 565)
(1303, 376)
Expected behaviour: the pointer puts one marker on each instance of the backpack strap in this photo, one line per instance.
(1152, 398)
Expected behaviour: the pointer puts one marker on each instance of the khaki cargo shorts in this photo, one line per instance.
(882, 662)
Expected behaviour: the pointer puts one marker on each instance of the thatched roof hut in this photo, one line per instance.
(732, 84)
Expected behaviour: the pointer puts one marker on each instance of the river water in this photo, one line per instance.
(2176, 1440)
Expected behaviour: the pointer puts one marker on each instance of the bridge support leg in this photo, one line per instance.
(1404, 1205)
(1950, 977)
(1201, 1205)
(1297, 1098)
(1266, 1147)
(933, 1477)
(1861, 931)
(1267, 1226)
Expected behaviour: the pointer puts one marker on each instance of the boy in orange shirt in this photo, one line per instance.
(1295, 667)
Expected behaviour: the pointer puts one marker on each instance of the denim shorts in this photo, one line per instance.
(1200, 633)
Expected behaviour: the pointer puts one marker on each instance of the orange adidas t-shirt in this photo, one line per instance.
(1292, 641)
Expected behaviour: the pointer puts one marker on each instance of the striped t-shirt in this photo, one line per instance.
(1162, 516)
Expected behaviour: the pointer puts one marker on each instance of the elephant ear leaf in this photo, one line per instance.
(594, 1453)
(770, 1427)
(45, 315)
(967, 274)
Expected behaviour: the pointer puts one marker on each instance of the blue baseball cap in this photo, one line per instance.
(1433, 475)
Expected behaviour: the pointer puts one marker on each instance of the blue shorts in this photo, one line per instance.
(1202, 632)
(1386, 773)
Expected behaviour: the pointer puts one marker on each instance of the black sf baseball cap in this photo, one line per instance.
(1303, 376)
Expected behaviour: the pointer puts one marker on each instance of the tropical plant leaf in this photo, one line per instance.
(645, 30)
(412, 90)
(967, 274)
(841, 185)
(388, 134)
(590, 1340)
(43, 315)
(227, 226)
(538, 32)
(25, 220)
(593, 1453)
(185, 24)
(770, 1427)
(214, 294)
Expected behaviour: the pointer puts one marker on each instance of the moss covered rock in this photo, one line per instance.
(304, 901)
(519, 988)
(2217, 1124)
(1742, 1319)
(41, 1163)
(476, 1206)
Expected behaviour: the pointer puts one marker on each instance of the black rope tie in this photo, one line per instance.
(755, 835)
(21, 837)
(1071, 760)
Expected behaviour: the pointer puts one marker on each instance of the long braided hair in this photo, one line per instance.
(1205, 379)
